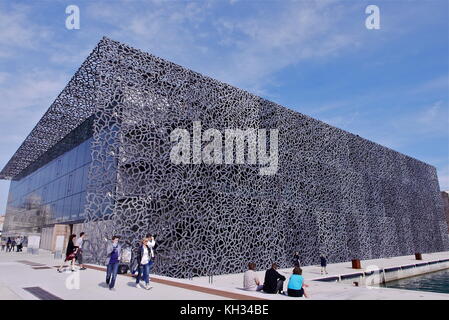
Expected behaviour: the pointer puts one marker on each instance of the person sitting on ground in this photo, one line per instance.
(250, 280)
(274, 281)
(296, 285)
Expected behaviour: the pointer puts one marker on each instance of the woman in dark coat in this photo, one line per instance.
(70, 254)
(8, 245)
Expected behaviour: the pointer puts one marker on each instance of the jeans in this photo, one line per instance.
(144, 272)
(111, 274)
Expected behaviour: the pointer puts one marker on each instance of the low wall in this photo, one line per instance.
(374, 276)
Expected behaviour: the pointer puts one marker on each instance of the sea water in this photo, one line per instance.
(434, 282)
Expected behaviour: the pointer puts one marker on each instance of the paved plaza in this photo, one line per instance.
(20, 271)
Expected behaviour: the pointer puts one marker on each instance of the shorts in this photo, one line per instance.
(295, 293)
(79, 257)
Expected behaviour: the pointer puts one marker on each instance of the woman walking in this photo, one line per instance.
(144, 259)
(70, 253)
(8, 245)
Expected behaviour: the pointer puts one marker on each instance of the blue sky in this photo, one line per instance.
(389, 85)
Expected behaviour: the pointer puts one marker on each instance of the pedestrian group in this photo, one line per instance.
(142, 262)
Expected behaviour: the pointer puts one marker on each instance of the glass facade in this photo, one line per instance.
(54, 193)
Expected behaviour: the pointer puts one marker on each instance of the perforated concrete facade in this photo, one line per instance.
(334, 193)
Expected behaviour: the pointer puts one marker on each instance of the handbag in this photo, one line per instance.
(123, 268)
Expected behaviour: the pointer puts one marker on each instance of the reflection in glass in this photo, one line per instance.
(53, 193)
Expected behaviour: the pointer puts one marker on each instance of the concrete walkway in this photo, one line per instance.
(341, 291)
(23, 270)
(15, 276)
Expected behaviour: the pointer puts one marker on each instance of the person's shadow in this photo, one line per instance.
(103, 285)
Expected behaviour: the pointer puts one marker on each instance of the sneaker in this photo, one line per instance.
(147, 287)
(138, 285)
(111, 289)
(59, 270)
(83, 268)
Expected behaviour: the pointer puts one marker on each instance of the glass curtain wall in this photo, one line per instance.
(54, 193)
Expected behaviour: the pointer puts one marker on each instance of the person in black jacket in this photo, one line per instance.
(145, 259)
(8, 245)
(323, 263)
(296, 261)
(274, 281)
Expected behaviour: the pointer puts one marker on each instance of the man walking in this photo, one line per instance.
(112, 261)
(79, 254)
(19, 244)
(296, 261)
(323, 263)
(13, 244)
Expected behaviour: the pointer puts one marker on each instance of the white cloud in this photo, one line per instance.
(269, 41)
(3, 77)
(441, 82)
(431, 120)
(28, 96)
(245, 49)
(429, 115)
(18, 31)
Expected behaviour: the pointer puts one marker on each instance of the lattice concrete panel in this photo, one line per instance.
(334, 193)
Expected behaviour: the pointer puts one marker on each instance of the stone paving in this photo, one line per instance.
(23, 270)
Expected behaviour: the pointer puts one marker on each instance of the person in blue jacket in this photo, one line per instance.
(296, 284)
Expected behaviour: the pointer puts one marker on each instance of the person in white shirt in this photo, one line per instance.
(250, 280)
(79, 254)
(151, 244)
(145, 256)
